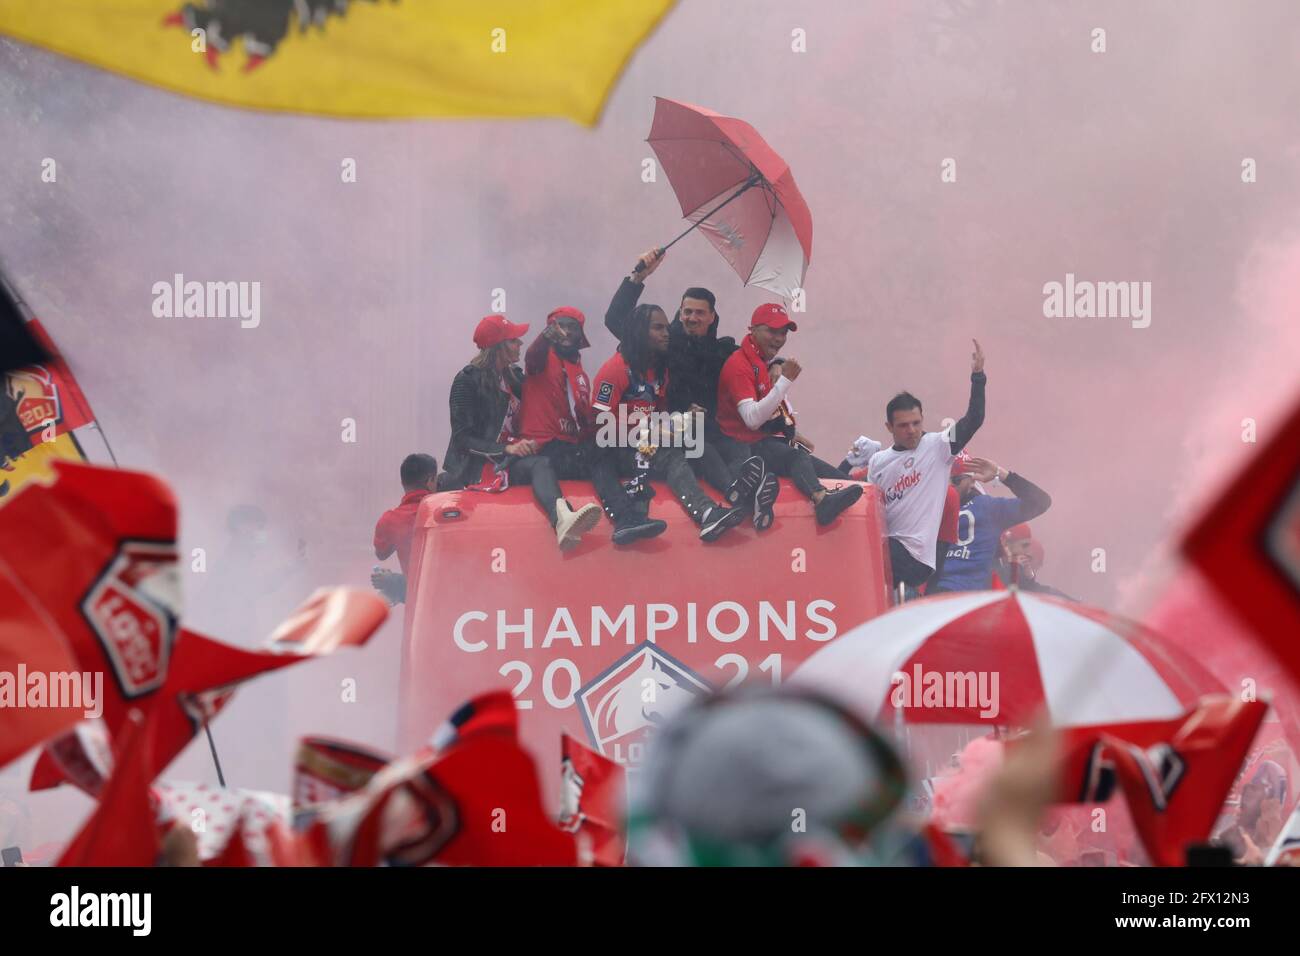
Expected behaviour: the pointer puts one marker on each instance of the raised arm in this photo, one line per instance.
(621, 306)
(1033, 500)
(537, 354)
(754, 412)
(629, 291)
(1030, 502)
(970, 423)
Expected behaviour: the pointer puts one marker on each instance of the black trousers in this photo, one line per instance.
(711, 466)
(907, 569)
(780, 457)
(825, 469)
(556, 460)
(667, 464)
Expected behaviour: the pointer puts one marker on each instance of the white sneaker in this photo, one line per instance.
(571, 525)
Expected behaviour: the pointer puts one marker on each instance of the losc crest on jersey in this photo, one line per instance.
(622, 707)
(132, 610)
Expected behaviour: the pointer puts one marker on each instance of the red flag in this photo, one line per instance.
(326, 769)
(475, 802)
(593, 803)
(83, 757)
(204, 673)
(30, 652)
(122, 831)
(203, 676)
(95, 554)
(1248, 544)
(1174, 774)
(47, 394)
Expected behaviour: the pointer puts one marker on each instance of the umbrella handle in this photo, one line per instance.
(640, 266)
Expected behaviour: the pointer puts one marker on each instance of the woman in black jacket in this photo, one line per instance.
(484, 453)
(485, 398)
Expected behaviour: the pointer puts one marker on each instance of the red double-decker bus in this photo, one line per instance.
(604, 642)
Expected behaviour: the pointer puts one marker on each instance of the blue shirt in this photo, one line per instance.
(968, 564)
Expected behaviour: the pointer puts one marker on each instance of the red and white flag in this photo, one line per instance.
(593, 803)
(1248, 544)
(1174, 774)
(476, 801)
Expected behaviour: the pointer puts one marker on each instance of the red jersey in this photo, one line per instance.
(617, 384)
(557, 396)
(744, 375)
(396, 527)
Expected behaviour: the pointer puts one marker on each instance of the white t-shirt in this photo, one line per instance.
(915, 485)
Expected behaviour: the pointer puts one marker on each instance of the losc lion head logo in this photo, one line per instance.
(622, 707)
(132, 609)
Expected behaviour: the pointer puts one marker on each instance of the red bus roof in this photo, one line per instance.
(604, 642)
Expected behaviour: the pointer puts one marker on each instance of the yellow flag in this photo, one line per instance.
(36, 465)
(360, 58)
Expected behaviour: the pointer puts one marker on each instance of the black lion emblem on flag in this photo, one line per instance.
(260, 24)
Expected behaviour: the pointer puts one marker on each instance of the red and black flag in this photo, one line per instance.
(1174, 774)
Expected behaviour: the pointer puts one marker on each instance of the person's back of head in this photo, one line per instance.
(722, 780)
(417, 471)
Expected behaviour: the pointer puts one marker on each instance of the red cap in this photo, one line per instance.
(962, 464)
(774, 316)
(495, 329)
(1017, 532)
(568, 311)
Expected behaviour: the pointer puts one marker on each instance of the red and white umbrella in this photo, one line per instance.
(999, 657)
(738, 191)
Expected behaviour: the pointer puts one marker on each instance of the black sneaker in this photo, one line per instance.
(764, 499)
(833, 502)
(741, 492)
(717, 520)
(633, 529)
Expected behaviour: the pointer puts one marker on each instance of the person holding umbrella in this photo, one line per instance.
(754, 418)
(741, 195)
(694, 361)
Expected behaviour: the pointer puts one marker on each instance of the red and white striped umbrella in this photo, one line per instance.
(999, 657)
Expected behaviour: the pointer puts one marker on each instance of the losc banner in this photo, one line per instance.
(40, 408)
(606, 643)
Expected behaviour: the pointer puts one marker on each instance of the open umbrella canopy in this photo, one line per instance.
(999, 657)
(738, 191)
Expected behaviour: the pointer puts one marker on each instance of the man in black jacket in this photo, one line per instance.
(695, 358)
